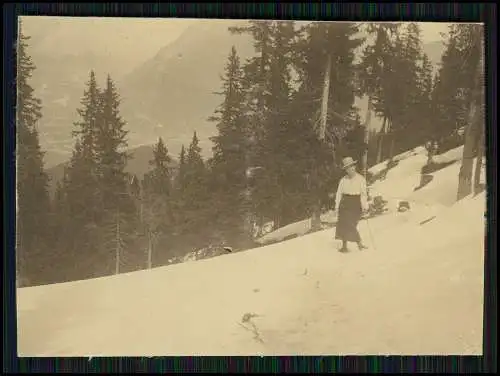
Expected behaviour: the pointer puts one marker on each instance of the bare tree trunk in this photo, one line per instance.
(367, 136)
(465, 174)
(479, 162)
(481, 123)
(324, 100)
(316, 212)
(472, 135)
(381, 140)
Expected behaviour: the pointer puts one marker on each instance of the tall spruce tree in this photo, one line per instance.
(273, 192)
(119, 223)
(267, 84)
(82, 197)
(110, 144)
(230, 152)
(84, 201)
(158, 191)
(103, 215)
(425, 105)
(256, 85)
(33, 202)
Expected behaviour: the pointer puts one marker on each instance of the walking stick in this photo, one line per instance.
(370, 233)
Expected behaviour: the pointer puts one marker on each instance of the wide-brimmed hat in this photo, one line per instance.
(348, 162)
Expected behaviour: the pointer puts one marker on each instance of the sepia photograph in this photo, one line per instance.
(203, 187)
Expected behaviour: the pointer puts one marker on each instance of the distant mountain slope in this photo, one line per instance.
(173, 94)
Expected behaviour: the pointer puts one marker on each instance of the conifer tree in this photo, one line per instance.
(120, 222)
(110, 144)
(230, 151)
(83, 196)
(256, 85)
(87, 127)
(160, 177)
(194, 193)
(425, 108)
(272, 193)
(195, 167)
(33, 202)
(267, 87)
(158, 192)
(102, 212)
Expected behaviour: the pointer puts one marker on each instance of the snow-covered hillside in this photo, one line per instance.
(399, 185)
(417, 289)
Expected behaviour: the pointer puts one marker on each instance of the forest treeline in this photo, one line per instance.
(268, 162)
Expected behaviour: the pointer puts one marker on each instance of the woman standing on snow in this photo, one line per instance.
(351, 201)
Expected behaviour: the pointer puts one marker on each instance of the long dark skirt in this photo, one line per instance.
(348, 217)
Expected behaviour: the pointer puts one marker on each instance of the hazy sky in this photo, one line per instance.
(131, 40)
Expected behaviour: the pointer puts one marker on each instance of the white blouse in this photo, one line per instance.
(353, 186)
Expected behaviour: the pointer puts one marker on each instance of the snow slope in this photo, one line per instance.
(417, 290)
(399, 185)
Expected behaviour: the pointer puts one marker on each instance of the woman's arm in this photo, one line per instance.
(338, 195)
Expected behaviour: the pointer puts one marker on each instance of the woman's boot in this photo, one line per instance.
(344, 249)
